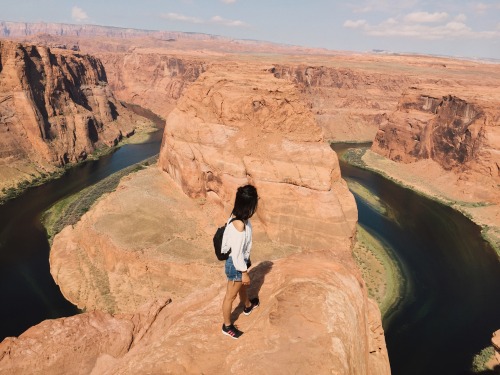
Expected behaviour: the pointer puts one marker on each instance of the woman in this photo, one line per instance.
(238, 239)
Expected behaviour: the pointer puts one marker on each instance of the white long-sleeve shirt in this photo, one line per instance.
(240, 244)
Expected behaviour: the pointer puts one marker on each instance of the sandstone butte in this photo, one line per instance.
(55, 108)
(122, 262)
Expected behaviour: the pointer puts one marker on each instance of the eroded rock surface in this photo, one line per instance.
(148, 240)
(455, 133)
(238, 125)
(149, 78)
(73, 345)
(349, 104)
(495, 341)
(55, 108)
(314, 318)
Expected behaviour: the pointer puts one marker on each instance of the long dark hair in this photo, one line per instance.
(245, 203)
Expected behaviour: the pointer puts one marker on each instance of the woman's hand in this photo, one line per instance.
(245, 279)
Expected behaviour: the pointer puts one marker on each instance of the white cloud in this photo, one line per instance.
(409, 27)
(482, 8)
(366, 6)
(78, 14)
(181, 17)
(215, 20)
(425, 17)
(222, 21)
(228, 1)
(355, 24)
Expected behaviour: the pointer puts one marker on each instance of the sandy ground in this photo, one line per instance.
(428, 178)
(380, 271)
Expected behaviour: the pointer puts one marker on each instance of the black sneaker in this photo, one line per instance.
(254, 303)
(231, 331)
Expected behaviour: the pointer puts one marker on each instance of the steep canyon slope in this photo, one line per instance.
(55, 108)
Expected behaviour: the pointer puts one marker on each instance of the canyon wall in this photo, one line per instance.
(461, 135)
(56, 108)
(349, 104)
(151, 79)
(25, 29)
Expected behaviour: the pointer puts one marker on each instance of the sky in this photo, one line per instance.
(460, 28)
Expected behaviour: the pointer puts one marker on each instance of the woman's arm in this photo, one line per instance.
(237, 241)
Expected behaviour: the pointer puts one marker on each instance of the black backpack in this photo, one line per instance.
(219, 234)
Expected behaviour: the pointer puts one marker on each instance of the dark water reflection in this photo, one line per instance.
(28, 293)
(452, 305)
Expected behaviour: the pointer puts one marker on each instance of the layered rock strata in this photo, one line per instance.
(461, 136)
(55, 108)
(150, 79)
(238, 125)
(349, 104)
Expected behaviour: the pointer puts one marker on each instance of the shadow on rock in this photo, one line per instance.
(257, 275)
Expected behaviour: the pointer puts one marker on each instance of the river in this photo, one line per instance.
(451, 305)
(28, 293)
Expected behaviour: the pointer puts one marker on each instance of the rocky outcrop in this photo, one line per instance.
(495, 341)
(313, 318)
(313, 305)
(56, 108)
(73, 345)
(151, 79)
(460, 135)
(349, 104)
(238, 125)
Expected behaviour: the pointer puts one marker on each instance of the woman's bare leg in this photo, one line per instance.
(244, 296)
(233, 287)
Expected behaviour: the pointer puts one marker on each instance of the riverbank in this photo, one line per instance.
(37, 176)
(382, 274)
(69, 210)
(427, 178)
(377, 261)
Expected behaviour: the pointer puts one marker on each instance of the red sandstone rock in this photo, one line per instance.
(56, 108)
(348, 104)
(313, 305)
(495, 341)
(73, 345)
(461, 136)
(238, 125)
(249, 127)
(151, 79)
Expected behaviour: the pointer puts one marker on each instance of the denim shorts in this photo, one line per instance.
(231, 272)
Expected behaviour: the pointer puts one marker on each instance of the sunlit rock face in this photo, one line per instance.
(240, 124)
(349, 103)
(462, 136)
(55, 108)
(151, 78)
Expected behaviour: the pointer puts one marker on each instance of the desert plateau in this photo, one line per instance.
(134, 261)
